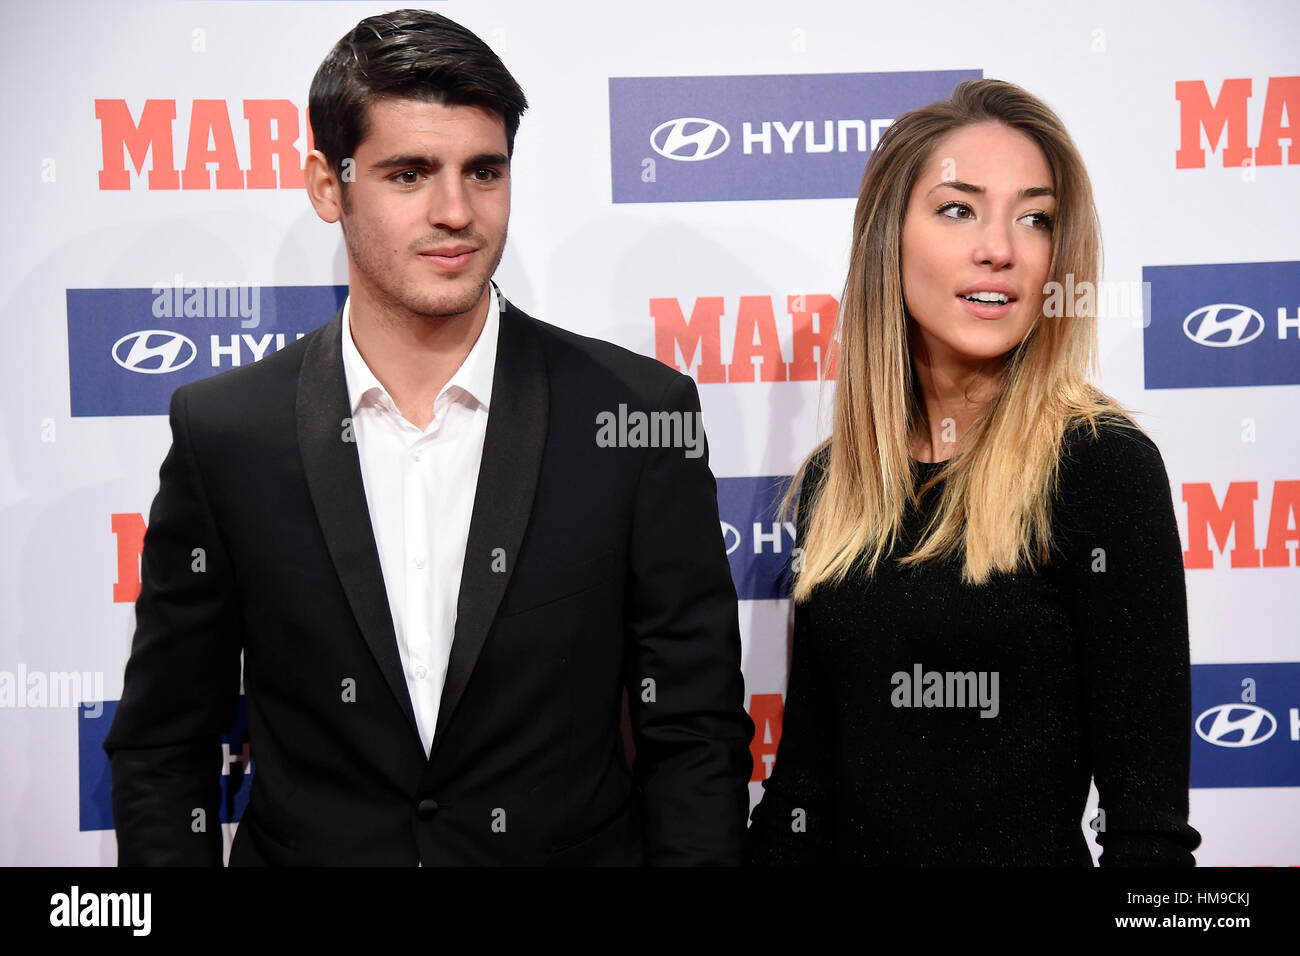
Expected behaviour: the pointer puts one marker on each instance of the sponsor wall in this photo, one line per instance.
(684, 187)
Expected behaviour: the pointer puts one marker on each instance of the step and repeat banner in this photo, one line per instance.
(684, 184)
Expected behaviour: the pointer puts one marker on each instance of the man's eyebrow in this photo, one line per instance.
(979, 190)
(413, 161)
(489, 159)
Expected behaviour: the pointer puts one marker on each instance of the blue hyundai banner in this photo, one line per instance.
(1246, 725)
(761, 548)
(799, 136)
(129, 349)
(1223, 325)
(96, 781)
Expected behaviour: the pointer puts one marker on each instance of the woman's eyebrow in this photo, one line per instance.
(972, 188)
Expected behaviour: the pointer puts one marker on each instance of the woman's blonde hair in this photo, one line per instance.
(995, 506)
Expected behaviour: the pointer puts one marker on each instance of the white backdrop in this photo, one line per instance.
(580, 260)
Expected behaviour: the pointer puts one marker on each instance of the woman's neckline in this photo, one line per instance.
(944, 462)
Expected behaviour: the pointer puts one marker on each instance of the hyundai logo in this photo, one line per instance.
(1237, 322)
(1231, 719)
(154, 351)
(730, 537)
(690, 139)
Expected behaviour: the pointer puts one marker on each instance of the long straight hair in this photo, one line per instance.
(994, 510)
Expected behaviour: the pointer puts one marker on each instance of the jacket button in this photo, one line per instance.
(427, 809)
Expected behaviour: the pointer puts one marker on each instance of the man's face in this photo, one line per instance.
(425, 219)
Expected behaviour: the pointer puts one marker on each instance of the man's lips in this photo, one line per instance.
(453, 257)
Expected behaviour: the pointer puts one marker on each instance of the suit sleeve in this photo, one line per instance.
(684, 683)
(181, 684)
(793, 823)
(1127, 597)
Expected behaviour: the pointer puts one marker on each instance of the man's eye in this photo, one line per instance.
(485, 174)
(401, 177)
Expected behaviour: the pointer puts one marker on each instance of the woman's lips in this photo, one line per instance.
(985, 310)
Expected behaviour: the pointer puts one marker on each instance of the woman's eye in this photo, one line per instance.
(1041, 220)
(956, 210)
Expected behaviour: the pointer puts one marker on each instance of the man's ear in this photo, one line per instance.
(323, 187)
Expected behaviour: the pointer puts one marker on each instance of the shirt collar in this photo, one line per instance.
(473, 378)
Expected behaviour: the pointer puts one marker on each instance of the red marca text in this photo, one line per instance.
(756, 340)
(1198, 112)
(272, 131)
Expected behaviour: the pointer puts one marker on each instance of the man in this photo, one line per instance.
(440, 578)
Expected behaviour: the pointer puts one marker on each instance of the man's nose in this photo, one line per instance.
(449, 207)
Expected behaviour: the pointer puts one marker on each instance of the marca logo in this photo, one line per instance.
(804, 136)
(1247, 725)
(1235, 725)
(153, 352)
(1197, 113)
(116, 367)
(270, 139)
(768, 713)
(690, 140)
(755, 339)
(1222, 325)
(1235, 516)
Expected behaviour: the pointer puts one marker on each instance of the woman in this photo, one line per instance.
(990, 611)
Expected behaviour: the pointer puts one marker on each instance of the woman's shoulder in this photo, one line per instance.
(1111, 477)
(818, 463)
(1109, 448)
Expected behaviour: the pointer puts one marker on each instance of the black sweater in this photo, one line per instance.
(1092, 680)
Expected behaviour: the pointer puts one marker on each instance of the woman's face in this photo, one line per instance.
(978, 227)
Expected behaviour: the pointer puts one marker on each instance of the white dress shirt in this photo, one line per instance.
(420, 492)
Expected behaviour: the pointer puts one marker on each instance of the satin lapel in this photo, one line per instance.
(503, 498)
(333, 471)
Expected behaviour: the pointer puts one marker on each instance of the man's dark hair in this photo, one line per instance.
(408, 54)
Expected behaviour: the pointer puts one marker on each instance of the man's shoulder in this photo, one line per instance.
(585, 362)
(246, 390)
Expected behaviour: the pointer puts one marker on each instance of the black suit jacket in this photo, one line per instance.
(615, 577)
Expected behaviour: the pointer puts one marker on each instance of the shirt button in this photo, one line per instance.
(427, 809)
(419, 564)
(415, 455)
(421, 672)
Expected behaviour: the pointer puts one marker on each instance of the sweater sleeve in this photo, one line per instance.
(794, 821)
(1122, 580)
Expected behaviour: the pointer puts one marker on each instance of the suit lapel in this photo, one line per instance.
(503, 498)
(333, 470)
